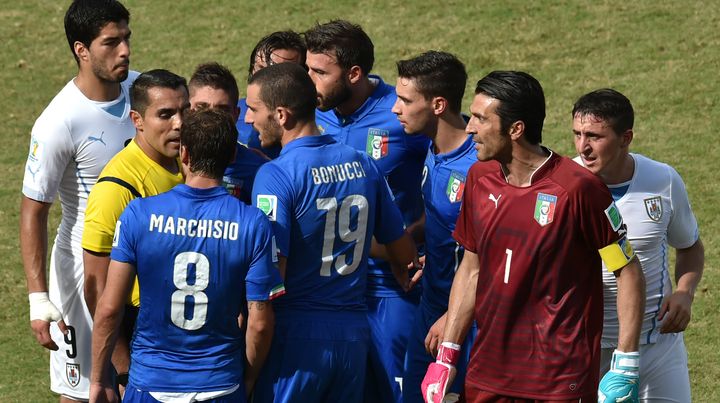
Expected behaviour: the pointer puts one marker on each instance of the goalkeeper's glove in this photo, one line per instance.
(440, 373)
(621, 382)
(42, 309)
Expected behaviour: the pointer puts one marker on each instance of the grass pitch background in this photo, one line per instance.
(663, 55)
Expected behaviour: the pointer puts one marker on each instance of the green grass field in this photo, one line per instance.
(663, 55)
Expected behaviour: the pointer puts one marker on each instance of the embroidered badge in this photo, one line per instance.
(72, 372)
(653, 207)
(268, 205)
(455, 187)
(545, 208)
(377, 143)
(613, 215)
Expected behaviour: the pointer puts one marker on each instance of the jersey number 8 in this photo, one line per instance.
(344, 232)
(183, 262)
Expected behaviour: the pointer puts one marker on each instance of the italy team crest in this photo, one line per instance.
(653, 207)
(72, 373)
(377, 143)
(455, 187)
(545, 208)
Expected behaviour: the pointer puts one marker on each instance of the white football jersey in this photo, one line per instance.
(71, 142)
(657, 213)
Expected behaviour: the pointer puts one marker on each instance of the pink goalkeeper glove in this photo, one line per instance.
(440, 373)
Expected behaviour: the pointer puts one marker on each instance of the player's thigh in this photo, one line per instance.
(664, 370)
(417, 359)
(349, 372)
(70, 364)
(476, 395)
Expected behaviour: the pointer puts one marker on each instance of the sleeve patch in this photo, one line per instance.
(268, 205)
(116, 235)
(617, 254)
(613, 215)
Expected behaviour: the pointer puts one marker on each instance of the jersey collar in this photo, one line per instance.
(308, 141)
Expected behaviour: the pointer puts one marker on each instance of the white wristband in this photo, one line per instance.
(42, 309)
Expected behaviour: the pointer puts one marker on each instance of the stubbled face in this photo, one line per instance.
(163, 119)
(208, 97)
(262, 118)
(109, 52)
(331, 82)
(413, 110)
(486, 128)
(277, 56)
(600, 148)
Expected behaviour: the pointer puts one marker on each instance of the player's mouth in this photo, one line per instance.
(587, 160)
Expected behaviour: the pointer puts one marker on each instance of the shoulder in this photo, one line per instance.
(127, 164)
(647, 167)
(59, 113)
(132, 75)
(575, 178)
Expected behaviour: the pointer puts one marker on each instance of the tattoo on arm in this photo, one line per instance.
(259, 305)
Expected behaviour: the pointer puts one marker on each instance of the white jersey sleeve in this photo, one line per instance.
(683, 230)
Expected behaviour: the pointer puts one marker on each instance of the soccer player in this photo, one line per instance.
(654, 203)
(211, 256)
(535, 229)
(355, 108)
(81, 129)
(213, 86)
(430, 88)
(277, 47)
(147, 166)
(326, 201)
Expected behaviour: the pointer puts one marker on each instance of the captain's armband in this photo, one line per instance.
(618, 254)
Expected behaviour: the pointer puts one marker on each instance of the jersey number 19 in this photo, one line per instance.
(344, 231)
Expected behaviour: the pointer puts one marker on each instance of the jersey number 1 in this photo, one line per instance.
(344, 231)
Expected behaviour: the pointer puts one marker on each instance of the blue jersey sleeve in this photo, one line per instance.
(273, 195)
(263, 280)
(389, 225)
(125, 237)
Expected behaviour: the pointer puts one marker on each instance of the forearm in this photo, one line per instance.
(462, 300)
(121, 353)
(34, 243)
(105, 332)
(689, 265)
(630, 305)
(95, 272)
(258, 338)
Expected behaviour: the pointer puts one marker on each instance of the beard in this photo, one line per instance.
(340, 94)
(270, 134)
(101, 72)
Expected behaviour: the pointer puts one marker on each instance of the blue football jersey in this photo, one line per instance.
(248, 136)
(199, 254)
(375, 130)
(239, 176)
(443, 186)
(326, 201)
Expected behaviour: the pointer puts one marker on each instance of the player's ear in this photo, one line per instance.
(81, 51)
(354, 74)
(282, 115)
(439, 105)
(137, 120)
(627, 138)
(184, 156)
(516, 130)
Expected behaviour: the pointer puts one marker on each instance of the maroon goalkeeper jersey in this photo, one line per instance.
(539, 306)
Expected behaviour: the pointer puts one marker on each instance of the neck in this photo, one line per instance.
(524, 161)
(199, 181)
(302, 129)
(96, 89)
(360, 93)
(621, 173)
(170, 164)
(449, 133)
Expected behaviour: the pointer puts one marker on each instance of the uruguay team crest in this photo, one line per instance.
(72, 373)
(455, 187)
(377, 143)
(653, 207)
(545, 208)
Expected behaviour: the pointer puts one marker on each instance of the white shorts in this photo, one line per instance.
(70, 364)
(663, 369)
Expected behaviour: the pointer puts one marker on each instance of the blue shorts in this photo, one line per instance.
(316, 358)
(135, 395)
(391, 320)
(417, 359)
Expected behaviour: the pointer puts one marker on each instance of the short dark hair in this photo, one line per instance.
(352, 46)
(521, 98)
(287, 85)
(152, 79)
(437, 74)
(274, 41)
(85, 19)
(209, 136)
(216, 76)
(609, 105)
